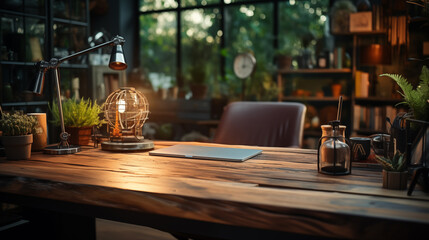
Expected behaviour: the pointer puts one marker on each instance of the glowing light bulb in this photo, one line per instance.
(121, 105)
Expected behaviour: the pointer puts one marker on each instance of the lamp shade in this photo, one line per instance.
(117, 59)
(375, 54)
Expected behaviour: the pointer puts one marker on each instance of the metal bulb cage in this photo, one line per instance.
(126, 110)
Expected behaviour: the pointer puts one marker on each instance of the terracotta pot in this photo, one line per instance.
(40, 139)
(336, 89)
(79, 135)
(17, 147)
(284, 62)
(395, 180)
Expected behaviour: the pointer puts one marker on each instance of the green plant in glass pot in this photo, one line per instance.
(17, 134)
(80, 116)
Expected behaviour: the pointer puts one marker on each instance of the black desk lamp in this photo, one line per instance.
(117, 62)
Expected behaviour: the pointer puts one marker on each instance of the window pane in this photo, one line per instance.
(34, 7)
(13, 83)
(187, 3)
(35, 37)
(78, 10)
(158, 48)
(74, 9)
(61, 9)
(62, 45)
(12, 5)
(149, 5)
(12, 38)
(301, 26)
(73, 83)
(250, 28)
(200, 47)
(69, 39)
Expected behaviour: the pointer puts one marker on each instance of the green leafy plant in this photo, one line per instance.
(77, 113)
(395, 164)
(200, 53)
(415, 98)
(17, 124)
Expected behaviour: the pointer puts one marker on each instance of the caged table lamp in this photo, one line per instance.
(117, 62)
(126, 110)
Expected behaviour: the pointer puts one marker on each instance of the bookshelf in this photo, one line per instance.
(364, 113)
(313, 88)
(36, 30)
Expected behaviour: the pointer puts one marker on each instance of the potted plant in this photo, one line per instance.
(284, 58)
(415, 134)
(198, 81)
(80, 116)
(416, 98)
(395, 172)
(199, 56)
(17, 134)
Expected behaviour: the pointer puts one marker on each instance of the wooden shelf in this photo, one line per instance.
(376, 101)
(374, 32)
(313, 99)
(16, 63)
(314, 71)
(312, 133)
(23, 14)
(33, 103)
(368, 132)
(70, 21)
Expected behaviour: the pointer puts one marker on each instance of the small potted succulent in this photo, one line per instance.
(80, 116)
(395, 174)
(17, 134)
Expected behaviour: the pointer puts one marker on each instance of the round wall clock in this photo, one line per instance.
(244, 64)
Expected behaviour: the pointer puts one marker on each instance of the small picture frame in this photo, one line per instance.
(361, 22)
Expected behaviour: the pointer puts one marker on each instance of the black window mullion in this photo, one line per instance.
(222, 39)
(276, 24)
(179, 76)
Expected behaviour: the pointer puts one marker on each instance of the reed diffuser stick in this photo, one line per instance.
(340, 106)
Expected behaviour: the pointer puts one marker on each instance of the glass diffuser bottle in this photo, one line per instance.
(333, 156)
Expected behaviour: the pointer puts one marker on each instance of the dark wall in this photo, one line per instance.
(118, 18)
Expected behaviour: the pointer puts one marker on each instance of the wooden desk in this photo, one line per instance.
(277, 194)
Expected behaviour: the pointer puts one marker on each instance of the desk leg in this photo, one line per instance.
(59, 226)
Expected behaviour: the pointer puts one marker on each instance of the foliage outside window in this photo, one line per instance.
(200, 46)
(302, 25)
(223, 31)
(251, 31)
(158, 48)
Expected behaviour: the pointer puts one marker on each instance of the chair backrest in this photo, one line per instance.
(275, 124)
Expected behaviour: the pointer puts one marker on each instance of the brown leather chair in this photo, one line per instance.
(275, 124)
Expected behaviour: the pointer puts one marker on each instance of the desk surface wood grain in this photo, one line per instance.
(278, 190)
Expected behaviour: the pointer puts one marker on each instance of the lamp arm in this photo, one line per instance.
(55, 62)
(115, 41)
